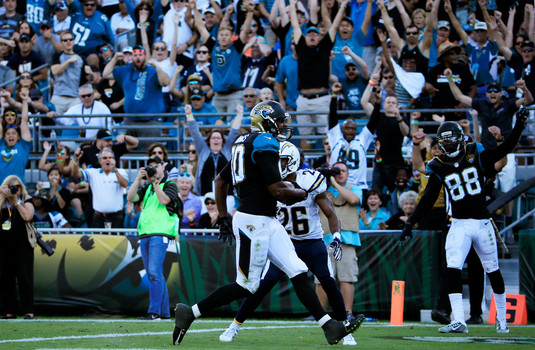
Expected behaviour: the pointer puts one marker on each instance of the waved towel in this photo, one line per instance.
(413, 82)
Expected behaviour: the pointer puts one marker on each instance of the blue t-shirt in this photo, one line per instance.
(226, 65)
(206, 108)
(348, 237)
(353, 91)
(13, 160)
(287, 73)
(358, 12)
(91, 32)
(340, 60)
(382, 215)
(480, 60)
(142, 90)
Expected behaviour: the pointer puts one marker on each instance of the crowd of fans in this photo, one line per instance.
(371, 57)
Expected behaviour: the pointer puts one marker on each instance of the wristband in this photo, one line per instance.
(75, 162)
(400, 120)
(82, 184)
(378, 160)
(337, 236)
(189, 115)
(371, 83)
(334, 96)
(450, 79)
(59, 160)
(414, 122)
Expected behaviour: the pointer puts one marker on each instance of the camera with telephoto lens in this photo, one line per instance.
(329, 171)
(13, 188)
(49, 251)
(151, 171)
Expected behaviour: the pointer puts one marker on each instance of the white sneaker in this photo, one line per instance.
(454, 327)
(349, 340)
(228, 335)
(501, 326)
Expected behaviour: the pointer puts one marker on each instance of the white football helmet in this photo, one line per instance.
(288, 151)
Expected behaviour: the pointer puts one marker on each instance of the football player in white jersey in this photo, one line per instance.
(301, 221)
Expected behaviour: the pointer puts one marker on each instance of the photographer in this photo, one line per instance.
(16, 252)
(158, 223)
(346, 201)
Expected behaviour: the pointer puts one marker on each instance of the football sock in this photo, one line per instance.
(222, 296)
(496, 281)
(307, 295)
(250, 303)
(500, 301)
(324, 320)
(336, 300)
(457, 310)
(235, 325)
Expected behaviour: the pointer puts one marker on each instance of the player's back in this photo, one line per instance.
(464, 179)
(255, 166)
(301, 220)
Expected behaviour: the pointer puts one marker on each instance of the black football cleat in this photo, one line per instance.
(183, 319)
(335, 331)
(440, 316)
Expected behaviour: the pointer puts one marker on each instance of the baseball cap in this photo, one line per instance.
(25, 37)
(104, 134)
(468, 28)
(408, 55)
(209, 10)
(351, 63)
(443, 24)
(197, 93)
(154, 159)
(127, 49)
(527, 43)
(35, 93)
(494, 85)
(41, 194)
(312, 29)
(61, 6)
(194, 77)
(138, 47)
(45, 23)
(209, 195)
(480, 26)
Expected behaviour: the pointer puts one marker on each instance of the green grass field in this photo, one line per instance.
(55, 333)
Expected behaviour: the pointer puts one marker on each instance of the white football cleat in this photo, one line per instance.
(454, 327)
(228, 335)
(349, 340)
(501, 326)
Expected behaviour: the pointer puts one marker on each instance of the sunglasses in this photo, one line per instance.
(144, 9)
(86, 95)
(351, 69)
(253, 25)
(519, 43)
(11, 126)
(10, 114)
(138, 52)
(106, 48)
(92, 4)
(527, 50)
(249, 96)
(67, 39)
(203, 52)
(45, 27)
(35, 98)
(26, 77)
(156, 152)
(193, 82)
(209, 203)
(195, 99)
(62, 153)
(479, 30)
(388, 77)
(411, 33)
(160, 48)
(192, 151)
(493, 90)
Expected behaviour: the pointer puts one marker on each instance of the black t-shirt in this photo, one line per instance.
(66, 196)
(253, 167)
(209, 172)
(110, 94)
(20, 64)
(502, 117)
(422, 62)
(253, 69)
(206, 222)
(281, 32)
(395, 16)
(169, 188)
(443, 97)
(17, 234)
(313, 63)
(90, 156)
(9, 25)
(389, 134)
(523, 71)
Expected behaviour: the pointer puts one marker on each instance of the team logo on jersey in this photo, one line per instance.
(251, 228)
(470, 158)
(220, 59)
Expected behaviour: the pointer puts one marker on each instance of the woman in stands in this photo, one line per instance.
(16, 250)
(157, 149)
(374, 217)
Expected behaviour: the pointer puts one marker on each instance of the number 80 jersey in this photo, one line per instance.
(464, 180)
(301, 220)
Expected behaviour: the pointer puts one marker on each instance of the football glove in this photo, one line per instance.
(225, 229)
(406, 234)
(336, 246)
(522, 113)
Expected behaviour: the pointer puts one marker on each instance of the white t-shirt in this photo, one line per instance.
(85, 119)
(169, 69)
(107, 192)
(117, 21)
(184, 31)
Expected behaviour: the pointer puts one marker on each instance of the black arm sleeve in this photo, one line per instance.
(226, 173)
(490, 157)
(428, 199)
(374, 118)
(333, 113)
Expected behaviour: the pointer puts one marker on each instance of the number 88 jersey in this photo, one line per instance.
(301, 220)
(464, 180)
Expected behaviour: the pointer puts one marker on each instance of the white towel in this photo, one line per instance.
(413, 82)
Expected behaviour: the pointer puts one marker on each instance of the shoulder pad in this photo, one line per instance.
(265, 142)
(311, 180)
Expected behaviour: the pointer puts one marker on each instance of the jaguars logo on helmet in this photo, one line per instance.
(451, 138)
(288, 151)
(264, 118)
